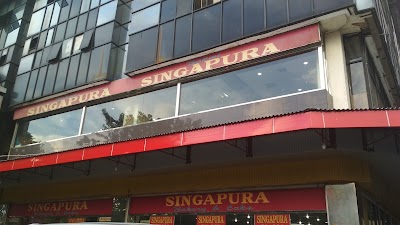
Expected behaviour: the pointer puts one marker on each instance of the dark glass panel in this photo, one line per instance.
(60, 33)
(85, 6)
(45, 56)
(98, 67)
(91, 23)
(65, 8)
(49, 38)
(103, 34)
(50, 79)
(142, 49)
(55, 52)
(184, 7)
(71, 27)
(322, 6)
(144, 19)
(166, 41)
(232, 20)
(168, 10)
(75, 8)
(42, 39)
(141, 4)
(72, 72)
(40, 82)
(206, 28)
(276, 13)
(82, 23)
(38, 57)
(61, 75)
(31, 86)
(87, 40)
(26, 64)
(21, 82)
(300, 9)
(253, 16)
(107, 13)
(49, 128)
(4, 71)
(83, 68)
(282, 77)
(182, 36)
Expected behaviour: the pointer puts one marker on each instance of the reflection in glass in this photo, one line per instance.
(134, 110)
(166, 42)
(50, 79)
(47, 17)
(56, 14)
(36, 22)
(31, 85)
(61, 76)
(168, 10)
(39, 4)
(206, 28)
(282, 77)
(18, 94)
(11, 37)
(142, 49)
(94, 4)
(276, 13)
(182, 36)
(40, 82)
(140, 4)
(60, 32)
(184, 7)
(85, 6)
(71, 27)
(253, 16)
(232, 20)
(77, 44)
(49, 37)
(25, 64)
(144, 19)
(66, 48)
(98, 67)
(107, 13)
(300, 9)
(49, 128)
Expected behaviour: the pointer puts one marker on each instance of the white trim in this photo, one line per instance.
(321, 68)
(82, 120)
(178, 97)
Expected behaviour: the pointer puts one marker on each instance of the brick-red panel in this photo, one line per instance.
(292, 122)
(203, 136)
(163, 142)
(96, 152)
(23, 163)
(316, 120)
(394, 118)
(355, 119)
(6, 166)
(128, 147)
(249, 129)
(45, 160)
(70, 156)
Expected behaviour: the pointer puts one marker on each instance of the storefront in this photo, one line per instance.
(291, 206)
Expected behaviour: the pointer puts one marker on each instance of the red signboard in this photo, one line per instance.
(70, 208)
(272, 219)
(260, 48)
(211, 220)
(254, 201)
(162, 220)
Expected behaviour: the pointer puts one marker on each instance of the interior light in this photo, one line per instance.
(259, 74)
(309, 223)
(305, 63)
(318, 219)
(235, 220)
(248, 222)
(307, 216)
(300, 222)
(112, 108)
(248, 216)
(301, 90)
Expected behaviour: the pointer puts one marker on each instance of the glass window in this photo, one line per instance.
(11, 37)
(166, 42)
(94, 4)
(40, 82)
(182, 36)
(47, 18)
(61, 75)
(75, 8)
(168, 10)
(206, 28)
(141, 4)
(198, 4)
(98, 68)
(26, 47)
(21, 83)
(31, 85)
(49, 39)
(71, 28)
(103, 34)
(83, 68)
(65, 7)
(184, 7)
(39, 4)
(87, 39)
(56, 14)
(91, 23)
(50, 79)
(300, 9)
(232, 20)
(26, 64)
(253, 16)
(276, 13)
(72, 72)
(4, 71)
(45, 56)
(85, 6)
(49, 128)
(322, 6)
(67, 48)
(60, 32)
(82, 23)
(55, 52)
(18, 13)
(107, 13)
(77, 44)
(42, 40)
(38, 57)
(142, 49)
(144, 19)
(129, 111)
(285, 76)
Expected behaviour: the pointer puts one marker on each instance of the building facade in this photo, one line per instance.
(228, 112)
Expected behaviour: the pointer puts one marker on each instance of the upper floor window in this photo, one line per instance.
(198, 4)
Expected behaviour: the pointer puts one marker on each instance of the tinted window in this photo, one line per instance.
(56, 14)
(71, 28)
(26, 63)
(72, 72)
(82, 23)
(253, 16)
(107, 13)
(60, 32)
(36, 22)
(94, 4)
(50, 79)
(232, 20)
(47, 17)
(40, 82)
(21, 83)
(206, 28)
(49, 39)
(276, 13)
(38, 57)
(166, 41)
(168, 10)
(140, 4)
(65, 7)
(83, 68)
(103, 34)
(184, 7)
(42, 40)
(61, 75)
(300, 9)
(286, 76)
(142, 49)
(98, 68)
(85, 5)
(31, 86)
(75, 8)
(144, 19)
(66, 48)
(182, 36)
(91, 23)
(322, 6)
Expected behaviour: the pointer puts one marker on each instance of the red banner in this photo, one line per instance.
(260, 48)
(162, 220)
(71, 208)
(211, 220)
(272, 219)
(255, 201)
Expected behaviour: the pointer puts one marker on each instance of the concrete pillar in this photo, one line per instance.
(341, 203)
(338, 84)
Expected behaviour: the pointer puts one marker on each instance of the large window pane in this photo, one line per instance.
(182, 36)
(60, 33)
(75, 8)
(206, 28)
(40, 82)
(141, 4)
(83, 68)
(21, 83)
(300, 9)
(39, 4)
(66, 48)
(31, 86)
(11, 37)
(71, 28)
(49, 39)
(91, 23)
(36, 22)
(166, 40)
(103, 34)
(184, 7)
(50, 79)
(286, 76)
(61, 75)
(129, 111)
(168, 10)
(107, 13)
(276, 13)
(65, 8)
(56, 14)
(49, 128)
(26, 64)
(142, 49)
(85, 6)
(232, 21)
(253, 16)
(47, 18)
(322, 6)
(72, 72)
(98, 66)
(144, 19)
